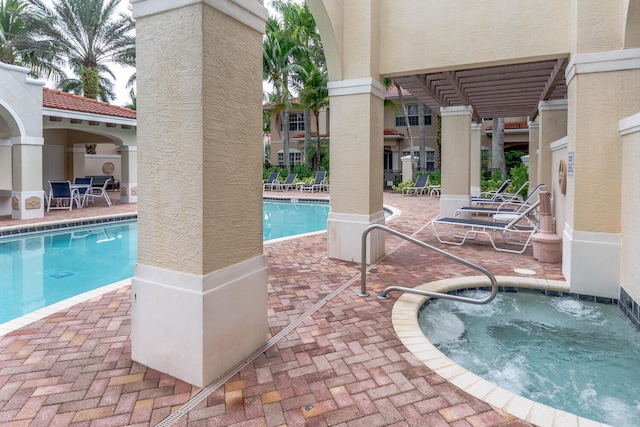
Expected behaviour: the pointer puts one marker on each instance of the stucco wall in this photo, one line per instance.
(559, 200)
(630, 131)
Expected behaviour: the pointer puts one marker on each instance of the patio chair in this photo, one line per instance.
(502, 197)
(82, 191)
(515, 233)
(288, 184)
(492, 195)
(272, 179)
(317, 184)
(420, 187)
(63, 195)
(503, 207)
(95, 192)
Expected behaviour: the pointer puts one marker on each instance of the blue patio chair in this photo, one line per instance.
(420, 187)
(82, 190)
(288, 184)
(318, 183)
(270, 181)
(63, 195)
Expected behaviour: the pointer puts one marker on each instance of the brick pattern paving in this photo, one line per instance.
(343, 365)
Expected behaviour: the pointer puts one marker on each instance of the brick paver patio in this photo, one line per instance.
(333, 357)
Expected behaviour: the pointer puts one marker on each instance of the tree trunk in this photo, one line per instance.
(307, 137)
(285, 139)
(90, 82)
(497, 145)
(421, 137)
(317, 157)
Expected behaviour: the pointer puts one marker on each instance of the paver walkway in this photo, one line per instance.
(340, 364)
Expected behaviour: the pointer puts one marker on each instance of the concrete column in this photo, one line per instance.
(534, 144)
(78, 157)
(602, 90)
(357, 147)
(27, 196)
(200, 286)
(456, 159)
(6, 178)
(129, 180)
(475, 159)
(553, 126)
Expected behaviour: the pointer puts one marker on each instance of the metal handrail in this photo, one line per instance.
(384, 295)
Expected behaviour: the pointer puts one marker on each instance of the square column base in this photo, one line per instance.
(344, 237)
(27, 204)
(449, 203)
(128, 192)
(196, 328)
(591, 262)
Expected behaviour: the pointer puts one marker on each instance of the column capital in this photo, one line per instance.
(602, 62)
(357, 86)
(534, 124)
(249, 12)
(475, 127)
(27, 140)
(129, 148)
(553, 105)
(460, 110)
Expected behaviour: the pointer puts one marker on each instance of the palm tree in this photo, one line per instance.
(89, 35)
(74, 85)
(24, 40)
(311, 82)
(278, 51)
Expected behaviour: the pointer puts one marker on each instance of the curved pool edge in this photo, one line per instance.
(41, 313)
(404, 317)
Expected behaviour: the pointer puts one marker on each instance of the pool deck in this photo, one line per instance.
(342, 363)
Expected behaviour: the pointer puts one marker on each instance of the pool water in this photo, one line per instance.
(38, 270)
(577, 356)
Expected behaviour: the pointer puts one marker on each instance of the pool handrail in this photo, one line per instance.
(385, 293)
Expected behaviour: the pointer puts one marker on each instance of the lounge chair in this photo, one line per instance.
(288, 184)
(420, 186)
(502, 197)
(515, 233)
(318, 183)
(492, 195)
(63, 195)
(269, 182)
(503, 207)
(99, 192)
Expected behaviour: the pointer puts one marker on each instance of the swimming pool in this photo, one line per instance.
(575, 355)
(39, 269)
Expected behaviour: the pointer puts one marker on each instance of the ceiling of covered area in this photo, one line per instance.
(512, 90)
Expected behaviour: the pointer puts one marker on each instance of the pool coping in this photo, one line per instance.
(54, 308)
(404, 317)
(63, 224)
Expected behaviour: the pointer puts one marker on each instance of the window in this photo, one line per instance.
(295, 157)
(430, 158)
(296, 121)
(412, 113)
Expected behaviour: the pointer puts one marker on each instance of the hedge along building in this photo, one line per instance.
(200, 285)
(43, 134)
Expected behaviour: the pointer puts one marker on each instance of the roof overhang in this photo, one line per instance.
(66, 114)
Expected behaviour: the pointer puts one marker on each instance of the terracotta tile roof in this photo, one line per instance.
(313, 135)
(67, 101)
(393, 132)
(511, 126)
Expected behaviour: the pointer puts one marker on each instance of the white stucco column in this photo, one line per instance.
(475, 159)
(552, 127)
(602, 90)
(27, 196)
(357, 146)
(456, 159)
(129, 180)
(200, 286)
(534, 144)
(78, 158)
(5, 177)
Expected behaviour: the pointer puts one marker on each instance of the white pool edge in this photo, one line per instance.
(27, 319)
(405, 323)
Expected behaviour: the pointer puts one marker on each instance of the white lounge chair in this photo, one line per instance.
(501, 197)
(503, 207)
(94, 192)
(270, 181)
(420, 186)
(492, 195)
(317, 185)
(516, 233)
(288, 184)
(62, 196)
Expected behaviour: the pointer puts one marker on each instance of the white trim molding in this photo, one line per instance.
(249, 12)
(629, 124)
(27, 140)
(559, 144)
(553, 105)
(65, 114)
(366, 85)
(344, 236)
(602, 62)
(460, 110)
(449, 203)
(579, 251)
